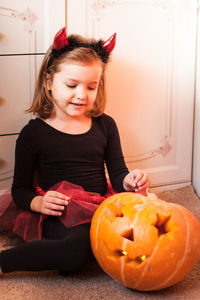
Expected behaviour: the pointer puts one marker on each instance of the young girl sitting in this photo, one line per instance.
(71, 140)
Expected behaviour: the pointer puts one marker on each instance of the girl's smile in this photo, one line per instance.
(77, 105)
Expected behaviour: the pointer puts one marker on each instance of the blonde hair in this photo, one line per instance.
(42, 104)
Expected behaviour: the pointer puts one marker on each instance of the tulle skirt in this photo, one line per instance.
(28, 225)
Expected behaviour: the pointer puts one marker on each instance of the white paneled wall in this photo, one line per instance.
(27, 28)
(150, 81)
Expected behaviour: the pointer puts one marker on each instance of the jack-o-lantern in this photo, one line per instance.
(143, 242)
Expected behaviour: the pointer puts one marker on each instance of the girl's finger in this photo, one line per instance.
(57, 201)
(139, 177)
(50, 212)
(53, 206)
(145, 186)
(131, 182)
(143, 180)
(58, 195)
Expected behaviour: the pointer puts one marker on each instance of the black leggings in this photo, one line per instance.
(64, 249)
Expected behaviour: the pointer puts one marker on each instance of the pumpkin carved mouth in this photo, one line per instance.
(123, 254)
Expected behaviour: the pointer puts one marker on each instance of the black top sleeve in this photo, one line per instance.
(25, 164)
(114, 158)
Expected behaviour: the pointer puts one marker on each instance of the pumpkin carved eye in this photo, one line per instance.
(116, 211)
(161, 224)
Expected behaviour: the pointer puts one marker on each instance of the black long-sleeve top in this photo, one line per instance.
(57, 156)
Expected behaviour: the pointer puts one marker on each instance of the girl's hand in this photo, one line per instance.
(52, 203)
(136, 180)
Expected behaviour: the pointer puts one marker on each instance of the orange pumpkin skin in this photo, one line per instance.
(143, 242)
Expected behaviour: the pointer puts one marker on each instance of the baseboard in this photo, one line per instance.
(159, 189)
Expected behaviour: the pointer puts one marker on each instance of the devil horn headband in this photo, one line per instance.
(60, 40)
(62, 44)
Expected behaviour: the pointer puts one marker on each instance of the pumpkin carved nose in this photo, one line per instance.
(129, 235)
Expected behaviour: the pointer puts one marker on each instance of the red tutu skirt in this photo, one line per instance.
(28, 225)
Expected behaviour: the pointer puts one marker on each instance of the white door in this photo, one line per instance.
(150, 80)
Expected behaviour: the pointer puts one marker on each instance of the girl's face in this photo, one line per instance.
(74, 88)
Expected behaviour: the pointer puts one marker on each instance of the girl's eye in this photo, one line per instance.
(71, 86)
(92, 88)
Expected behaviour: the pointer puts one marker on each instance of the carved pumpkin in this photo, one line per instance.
(143, 242)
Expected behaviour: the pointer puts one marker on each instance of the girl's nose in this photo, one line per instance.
(81, 94)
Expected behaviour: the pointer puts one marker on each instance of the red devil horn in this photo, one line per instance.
(60, 40)
(110, 43)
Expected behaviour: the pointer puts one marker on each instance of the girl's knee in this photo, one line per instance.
(80, 255)
(79, 249)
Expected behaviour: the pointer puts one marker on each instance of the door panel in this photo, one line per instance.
(150, 80)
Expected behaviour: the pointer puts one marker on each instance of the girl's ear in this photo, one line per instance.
(48, 81)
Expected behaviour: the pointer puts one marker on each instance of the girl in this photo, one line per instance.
(70, 140)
